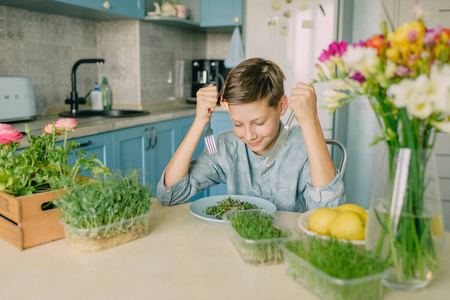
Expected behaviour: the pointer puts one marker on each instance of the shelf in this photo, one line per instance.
(174, 22)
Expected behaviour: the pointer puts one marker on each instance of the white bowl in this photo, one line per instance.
(303, 223)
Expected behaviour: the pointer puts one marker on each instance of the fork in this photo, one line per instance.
(209, 138)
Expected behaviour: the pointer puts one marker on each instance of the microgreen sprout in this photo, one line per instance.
(335, 270)
(259, 239)
(107, 209)
(226, 205)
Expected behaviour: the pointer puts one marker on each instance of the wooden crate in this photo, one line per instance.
(25, 224)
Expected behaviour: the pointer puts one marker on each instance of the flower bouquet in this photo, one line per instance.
(405, 74)
(32, 177)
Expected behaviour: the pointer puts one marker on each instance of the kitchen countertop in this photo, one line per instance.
(183, 257)
(162, 111)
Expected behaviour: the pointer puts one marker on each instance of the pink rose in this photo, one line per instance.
(66, 124)
(9, 134)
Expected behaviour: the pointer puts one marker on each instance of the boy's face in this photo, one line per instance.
(257, 124)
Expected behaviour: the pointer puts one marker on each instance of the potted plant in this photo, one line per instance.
(403, 72)
(257, 235)
(334, 270)
(32, 177)
(100, 215)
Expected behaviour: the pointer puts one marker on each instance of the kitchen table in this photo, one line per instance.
(183, 257)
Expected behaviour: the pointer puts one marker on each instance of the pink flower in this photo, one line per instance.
(9, 134)
(49, 128)
(66, 124)
(402, 71)
(335, 50)
(429, 37)
(412, 35)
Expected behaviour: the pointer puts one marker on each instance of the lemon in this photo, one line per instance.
(348, 225)
(321, 218)
(353, 207)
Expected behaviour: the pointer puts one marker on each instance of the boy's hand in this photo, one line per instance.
(206, 101)
(303, 102)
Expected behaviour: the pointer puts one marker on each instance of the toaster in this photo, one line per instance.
(16, 99)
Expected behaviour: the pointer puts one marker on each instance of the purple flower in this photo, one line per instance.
(412, 35)
(401, 71)
(358, 77)
(334, 50)
(428, 38)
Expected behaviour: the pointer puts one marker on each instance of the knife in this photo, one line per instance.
(280, 141)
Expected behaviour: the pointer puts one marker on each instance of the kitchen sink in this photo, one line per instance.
(114, 113)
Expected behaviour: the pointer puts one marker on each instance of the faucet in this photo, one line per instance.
(74, 100)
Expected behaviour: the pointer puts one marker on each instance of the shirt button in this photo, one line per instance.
(263, 158)
(264, 174)
(165, 203)
(167, 190)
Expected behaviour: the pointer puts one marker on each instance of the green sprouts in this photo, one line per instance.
(100, 203)
(257, 238)
(226, 205)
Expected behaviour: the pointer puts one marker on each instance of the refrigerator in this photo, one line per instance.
(293, 33)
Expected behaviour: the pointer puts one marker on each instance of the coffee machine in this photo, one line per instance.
(204, 72)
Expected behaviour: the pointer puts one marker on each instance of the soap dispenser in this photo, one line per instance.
(96, 98)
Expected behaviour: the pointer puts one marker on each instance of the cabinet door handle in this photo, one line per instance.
(156, 136)
(236, 20)
(149, 134)
(106, 4)
(84, 144)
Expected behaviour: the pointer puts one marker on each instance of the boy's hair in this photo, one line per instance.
(252, 80)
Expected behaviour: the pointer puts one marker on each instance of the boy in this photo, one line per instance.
(302, 177)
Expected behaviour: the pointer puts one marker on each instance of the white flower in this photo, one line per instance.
(341, 85)
(443, 126)
(420, 107)
(403, 92)
(363, 60)
(333, 97)
(439, 88)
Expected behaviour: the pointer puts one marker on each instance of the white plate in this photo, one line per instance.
(198, 208)
(303, 223)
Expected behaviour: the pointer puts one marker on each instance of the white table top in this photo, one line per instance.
(183, 257)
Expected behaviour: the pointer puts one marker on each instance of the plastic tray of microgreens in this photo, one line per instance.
(107, 236)
(334, 270)
(257, 235)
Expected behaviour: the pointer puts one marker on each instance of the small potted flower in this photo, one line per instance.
(32, 177)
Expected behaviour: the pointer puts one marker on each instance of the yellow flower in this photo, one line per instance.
(407, 38)
(393, 54)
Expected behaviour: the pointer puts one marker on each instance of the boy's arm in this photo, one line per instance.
(180, 161)
(304, 103)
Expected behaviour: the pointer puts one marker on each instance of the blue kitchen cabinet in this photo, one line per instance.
(183, 125)
(220, 122)
(161, 150)
(218, 13)
(130, 147)
(98, 144)
(130, 8)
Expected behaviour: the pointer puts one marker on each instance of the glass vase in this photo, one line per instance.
(405, 223)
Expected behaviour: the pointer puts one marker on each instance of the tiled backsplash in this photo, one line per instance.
(142, 59)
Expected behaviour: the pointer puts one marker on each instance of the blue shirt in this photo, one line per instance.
(286, 183)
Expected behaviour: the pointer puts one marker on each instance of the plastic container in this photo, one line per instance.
(107, 236)
(107, 94)
(332, 288)
(97, 98)
(258, 252)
